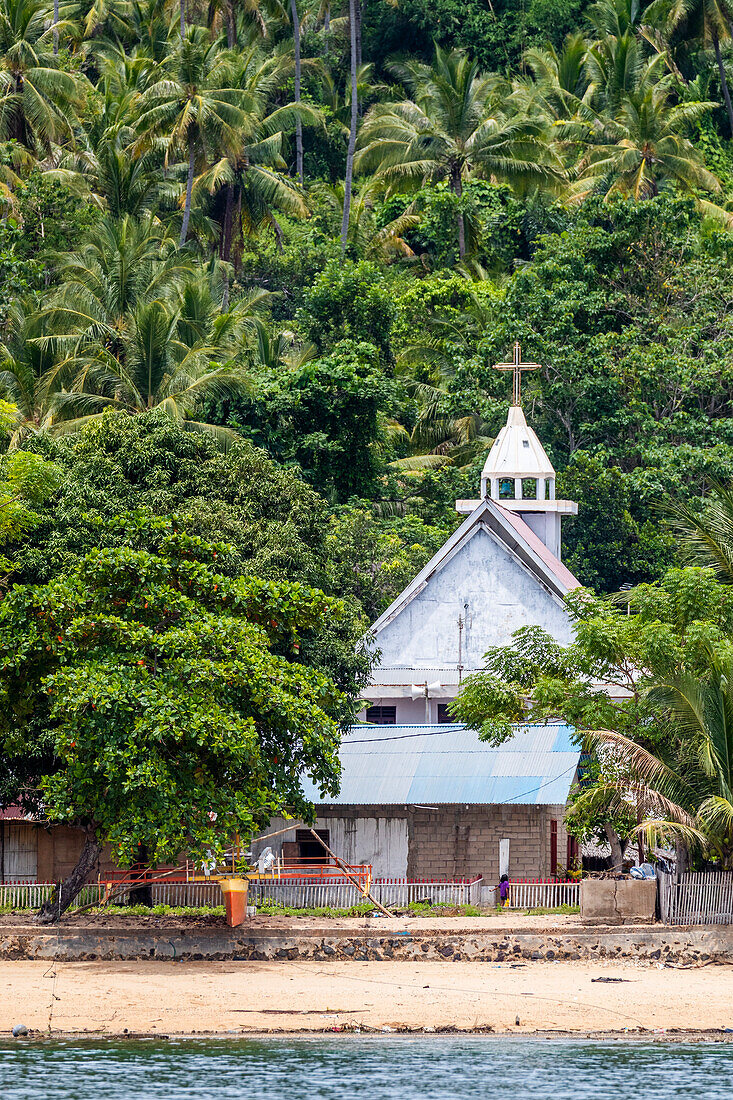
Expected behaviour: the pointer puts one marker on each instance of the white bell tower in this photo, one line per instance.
(518, 475)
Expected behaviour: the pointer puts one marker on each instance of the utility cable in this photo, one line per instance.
(479, 992)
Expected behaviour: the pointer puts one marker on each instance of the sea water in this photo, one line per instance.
(376, 1068)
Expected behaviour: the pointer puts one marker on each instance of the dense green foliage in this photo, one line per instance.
(662, 733)
(172, 236)
(150, 696)
(256, 266)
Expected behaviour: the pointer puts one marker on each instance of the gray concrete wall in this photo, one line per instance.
(622, 901)
(374, 941)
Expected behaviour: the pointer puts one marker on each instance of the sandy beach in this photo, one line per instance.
(168, 998)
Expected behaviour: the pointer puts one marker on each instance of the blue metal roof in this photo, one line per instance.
(428, 765)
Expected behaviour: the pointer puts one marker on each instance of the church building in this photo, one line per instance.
(421, 796)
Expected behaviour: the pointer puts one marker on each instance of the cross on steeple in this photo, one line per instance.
(517, 366)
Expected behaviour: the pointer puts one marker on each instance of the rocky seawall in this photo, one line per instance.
(651, 943)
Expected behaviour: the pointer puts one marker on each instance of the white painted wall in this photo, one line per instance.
(409, 711)
(381, 841)
(493, 593)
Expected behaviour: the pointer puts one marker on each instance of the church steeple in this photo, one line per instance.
(518, 475)
(516, 458)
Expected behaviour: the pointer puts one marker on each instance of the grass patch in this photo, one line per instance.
(273, 908)
(161, 910)
(559, 909)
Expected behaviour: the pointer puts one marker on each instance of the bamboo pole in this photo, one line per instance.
(340, 863)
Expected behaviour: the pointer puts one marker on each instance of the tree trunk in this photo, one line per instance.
(55, 33)
(143, 894)
(326, 28)
(66, 891)
(723, 81)
(238, 222)
(189, 189)
(353, 4)
(457, 188)
(278, 233)
(358, 11)
(298, 121)
(226, 237)
(231, 24)
(183, 18)
(682, 858)
(617, 852)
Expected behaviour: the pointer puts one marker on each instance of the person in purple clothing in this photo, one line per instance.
(504, 891)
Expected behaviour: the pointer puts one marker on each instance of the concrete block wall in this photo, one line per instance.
(454, 841)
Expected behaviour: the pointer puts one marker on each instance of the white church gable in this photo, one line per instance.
(476, 599)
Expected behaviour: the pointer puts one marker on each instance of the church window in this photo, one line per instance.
(382, 716)
(444, 718)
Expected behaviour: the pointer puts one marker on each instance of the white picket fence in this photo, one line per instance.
(176, 894)
(30, 895)
(543, 893)
(702, 897)
(391, 892)
(296, 893)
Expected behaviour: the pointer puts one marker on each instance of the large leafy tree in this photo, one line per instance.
(26, 482)
(275, 526)
(323, 415)
(159, 703)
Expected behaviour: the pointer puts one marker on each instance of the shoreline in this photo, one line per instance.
(672, 1035)
(153, 998)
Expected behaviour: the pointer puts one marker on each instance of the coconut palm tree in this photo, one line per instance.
(195, 107)
(559, 86)
(705, 538)
(102, 166)
(643, 142)
(133, 326)
(24, 360)
(354, 62)
(690, 795)
(251, 175)
(709, 23)
(457, 123)
(38, 100)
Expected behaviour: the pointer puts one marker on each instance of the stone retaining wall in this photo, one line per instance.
(651, 944)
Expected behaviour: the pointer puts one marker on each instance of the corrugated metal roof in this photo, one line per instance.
(427, 765)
